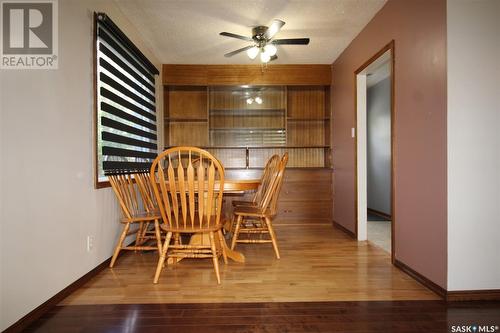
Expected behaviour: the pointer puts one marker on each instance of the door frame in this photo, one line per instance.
(391, 48)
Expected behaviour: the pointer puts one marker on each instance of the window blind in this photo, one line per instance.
(126, 103)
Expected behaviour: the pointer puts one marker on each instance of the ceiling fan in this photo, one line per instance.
(263, 42)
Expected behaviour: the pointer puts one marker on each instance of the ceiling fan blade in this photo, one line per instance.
(273, 29)
(274, 57)
(229, 34)
(291, 41)
(230, 54)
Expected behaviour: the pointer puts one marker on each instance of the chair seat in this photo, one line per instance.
(190, 228)
(142, 216)
(251, 211)
(244, 203)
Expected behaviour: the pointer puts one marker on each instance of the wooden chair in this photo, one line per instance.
(149, 204)
(264, 212)
(190, 201)
(128, 195)
(271, 165)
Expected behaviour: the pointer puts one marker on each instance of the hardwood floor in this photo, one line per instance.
(318, 263)
(375, 316)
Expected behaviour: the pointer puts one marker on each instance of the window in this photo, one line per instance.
(126, 132)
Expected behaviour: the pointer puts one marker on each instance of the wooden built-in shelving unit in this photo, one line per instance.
(218, 118)
(205, 106)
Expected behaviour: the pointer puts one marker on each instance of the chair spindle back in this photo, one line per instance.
(188, 183)
(126, 193)
(147, 192)
(270, 199)
(266, 179)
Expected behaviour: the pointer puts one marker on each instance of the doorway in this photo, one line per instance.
(374, 150)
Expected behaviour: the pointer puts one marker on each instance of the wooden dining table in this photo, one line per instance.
(231, 186)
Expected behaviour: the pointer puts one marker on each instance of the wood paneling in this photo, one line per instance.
(298, 157)
(306, 195)
(189, 75)
(307, 102)
(308, 116)
(186, 121)
(188, 134)
(307, 133)
(186, 102)
(230, 158)
(247, 74)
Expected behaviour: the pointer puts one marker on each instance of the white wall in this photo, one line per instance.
(378, 166)
(48, 202)
(473, 144)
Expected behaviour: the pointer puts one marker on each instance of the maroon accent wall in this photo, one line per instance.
(418, 28)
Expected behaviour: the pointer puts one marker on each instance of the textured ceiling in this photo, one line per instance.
(187, 31)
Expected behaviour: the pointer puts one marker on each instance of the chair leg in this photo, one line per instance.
(120, 244)
(158, 236)
(145, 232)
(236, 231)
(215, 258)
(232, 225)
(222, 245)
(138, 235)
(161, 260)
(273, 237)
(177, 238)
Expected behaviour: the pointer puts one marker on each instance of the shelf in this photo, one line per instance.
(187, 120)
(307, 119)
(245, 111)
(263, 147)
(253, 129)
(288, 168)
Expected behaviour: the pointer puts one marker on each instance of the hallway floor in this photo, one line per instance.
(379, 233)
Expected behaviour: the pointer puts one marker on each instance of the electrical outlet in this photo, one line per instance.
(90, 243)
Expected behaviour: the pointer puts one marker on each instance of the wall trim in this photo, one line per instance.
(40, 310)
(391, 47)
(440, 291)
(473, 295)
(344, 229)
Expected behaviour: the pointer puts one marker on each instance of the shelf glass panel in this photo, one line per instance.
(247, 116)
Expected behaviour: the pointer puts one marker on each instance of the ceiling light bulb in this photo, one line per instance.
(252, 52)
(249, 100)
(258, 100)
(270, 49)
(264, 57)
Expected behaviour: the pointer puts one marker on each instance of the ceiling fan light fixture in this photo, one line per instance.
(270, 49)
(263, 42)
(249, 101)
(258, 100)
(264, 57)
(253, 52)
